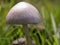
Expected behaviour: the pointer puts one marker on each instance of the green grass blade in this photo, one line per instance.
(54, 25)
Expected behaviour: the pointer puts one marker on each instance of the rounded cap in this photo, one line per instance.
(23, 13)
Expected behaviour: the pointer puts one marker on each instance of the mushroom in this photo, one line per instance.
(24, 13)
(22, 41)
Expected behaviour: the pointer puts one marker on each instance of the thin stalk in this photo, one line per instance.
(27, 35)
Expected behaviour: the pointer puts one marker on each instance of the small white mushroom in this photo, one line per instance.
(24, 13)
(22, 41)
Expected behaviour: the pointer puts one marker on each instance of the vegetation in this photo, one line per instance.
(49, 10)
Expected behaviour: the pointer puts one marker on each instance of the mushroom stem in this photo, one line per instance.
(27, 35)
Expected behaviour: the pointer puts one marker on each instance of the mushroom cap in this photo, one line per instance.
(23, 13)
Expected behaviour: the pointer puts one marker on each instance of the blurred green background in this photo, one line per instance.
(45, 34)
